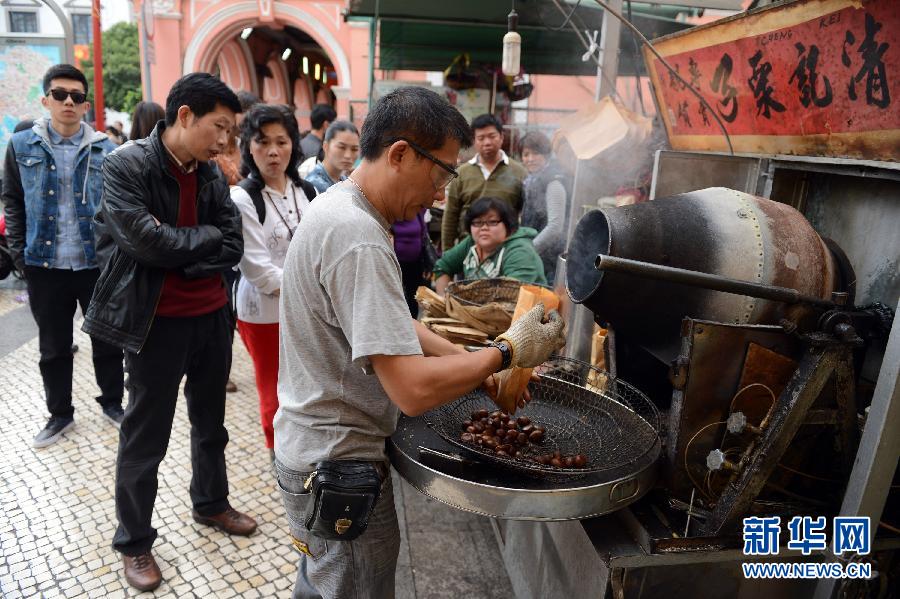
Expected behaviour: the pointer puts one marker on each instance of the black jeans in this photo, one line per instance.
(200, 348)
(411, 274)
(53, 295)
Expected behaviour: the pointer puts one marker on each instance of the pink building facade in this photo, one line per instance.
(206, 35)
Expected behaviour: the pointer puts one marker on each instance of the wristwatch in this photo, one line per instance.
(505, 352)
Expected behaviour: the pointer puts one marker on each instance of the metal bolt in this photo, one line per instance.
(717, 461)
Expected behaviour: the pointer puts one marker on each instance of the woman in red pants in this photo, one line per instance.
(271, 200)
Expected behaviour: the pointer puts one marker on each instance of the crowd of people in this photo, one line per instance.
(218, 214)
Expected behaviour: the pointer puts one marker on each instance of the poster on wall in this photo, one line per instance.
(812, 77)
(23, 62)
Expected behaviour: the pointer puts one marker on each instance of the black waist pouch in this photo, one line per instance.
(344, 494)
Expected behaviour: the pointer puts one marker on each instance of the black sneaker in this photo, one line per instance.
(114, 413)
(55, 428)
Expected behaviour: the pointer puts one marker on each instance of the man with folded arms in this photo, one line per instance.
(172, 230)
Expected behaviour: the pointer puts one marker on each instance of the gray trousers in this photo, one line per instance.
(360, 569)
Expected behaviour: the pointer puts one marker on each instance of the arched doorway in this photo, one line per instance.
(292, 58)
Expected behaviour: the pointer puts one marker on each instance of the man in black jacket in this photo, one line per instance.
(169, 229)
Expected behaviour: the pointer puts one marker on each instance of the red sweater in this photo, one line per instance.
(182, 297)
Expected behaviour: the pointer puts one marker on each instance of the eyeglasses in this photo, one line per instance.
(481, 224)
(450, 173)
(60, 95)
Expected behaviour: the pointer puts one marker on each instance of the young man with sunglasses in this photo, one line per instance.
(51, 189)
(352, 358)
(490, 173)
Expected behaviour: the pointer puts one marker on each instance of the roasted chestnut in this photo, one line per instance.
(568, 461)
(479, 428)
(521, 438)
(556, 463)
(580, 461)
(535, 436)
(471, 429)
(523, 421)
(481, 414)
(466, 424)
(467, 438)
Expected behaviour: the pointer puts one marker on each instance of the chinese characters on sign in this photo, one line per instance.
(807, 534)
(825, 75)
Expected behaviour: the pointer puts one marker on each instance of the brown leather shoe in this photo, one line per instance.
(230, 521)
(141, 571)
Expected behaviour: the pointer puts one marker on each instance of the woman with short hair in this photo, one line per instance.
(547, 190)
(272, 200)
(495, 247)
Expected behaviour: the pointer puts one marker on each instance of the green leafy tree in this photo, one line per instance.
(121, 68)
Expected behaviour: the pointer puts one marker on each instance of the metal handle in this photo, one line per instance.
(704, 280)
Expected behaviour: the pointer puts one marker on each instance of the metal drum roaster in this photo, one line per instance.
(715, 231)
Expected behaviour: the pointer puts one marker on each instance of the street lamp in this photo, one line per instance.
(246, 33)
(512, 45)
(286, 54)
(305, 66)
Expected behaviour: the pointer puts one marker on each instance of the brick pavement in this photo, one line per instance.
(57, 512)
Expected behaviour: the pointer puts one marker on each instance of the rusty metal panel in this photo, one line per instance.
(707, 375)
(812, 77)
(680, 172)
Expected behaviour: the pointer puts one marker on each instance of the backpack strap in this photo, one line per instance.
(308, 189)
(254, 190)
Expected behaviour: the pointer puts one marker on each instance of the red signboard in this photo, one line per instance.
(816, 77)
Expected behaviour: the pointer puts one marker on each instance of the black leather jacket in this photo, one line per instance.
(138, 186)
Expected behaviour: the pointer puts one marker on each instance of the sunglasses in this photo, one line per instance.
(60, 95)
(450, 172)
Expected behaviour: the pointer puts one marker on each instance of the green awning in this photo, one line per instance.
(427, 36)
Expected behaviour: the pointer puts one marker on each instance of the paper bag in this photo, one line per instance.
(513, 381)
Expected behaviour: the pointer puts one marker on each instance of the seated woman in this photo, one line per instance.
(495, 247)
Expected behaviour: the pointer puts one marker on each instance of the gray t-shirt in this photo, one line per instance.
(310, 145)
(341, 301)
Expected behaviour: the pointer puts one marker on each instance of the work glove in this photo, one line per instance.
(531, 340)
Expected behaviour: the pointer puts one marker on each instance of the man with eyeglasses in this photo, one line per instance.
(490, 173)
(351, 356)
(51, 189)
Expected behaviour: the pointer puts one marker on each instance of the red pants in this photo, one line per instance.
(261, 341)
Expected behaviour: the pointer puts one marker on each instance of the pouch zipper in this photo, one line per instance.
(309, 480)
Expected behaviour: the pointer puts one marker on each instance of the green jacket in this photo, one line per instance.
(516, 259)
(504, 183)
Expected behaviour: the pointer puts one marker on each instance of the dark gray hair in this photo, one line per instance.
(416, 113)
(338, 126)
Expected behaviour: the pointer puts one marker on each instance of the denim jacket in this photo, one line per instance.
(30, 192)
